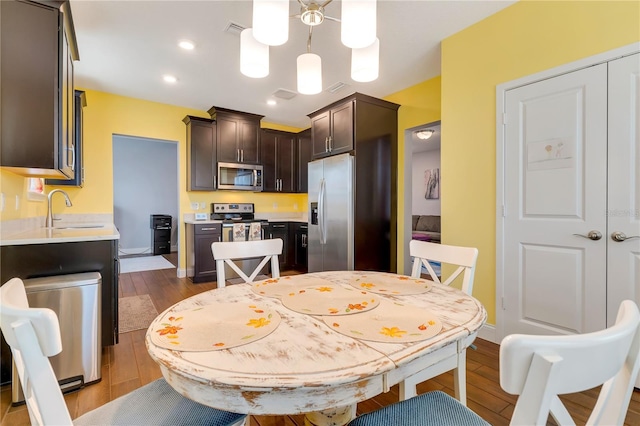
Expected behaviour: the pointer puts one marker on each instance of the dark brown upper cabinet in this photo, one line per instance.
(201, 154)
(303, 156)
(238, 135)
(278, 152)
(78, 154)
(37, 50)
(332, 130)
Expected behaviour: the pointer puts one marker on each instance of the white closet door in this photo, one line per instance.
(623, 212)
(555, 181)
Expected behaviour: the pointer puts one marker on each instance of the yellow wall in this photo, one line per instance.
(106, 115)
(420, 104)
(523, 39)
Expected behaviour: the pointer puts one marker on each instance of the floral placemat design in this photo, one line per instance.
(213, 327)
(390, 323)
(330, 299)
(391, 284)
(283, 286)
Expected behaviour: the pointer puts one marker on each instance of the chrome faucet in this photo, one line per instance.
(49, 220)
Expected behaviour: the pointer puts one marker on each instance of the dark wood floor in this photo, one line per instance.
(127, 366)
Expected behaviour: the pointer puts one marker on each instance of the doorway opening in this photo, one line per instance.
(421, 179)
(145, 184)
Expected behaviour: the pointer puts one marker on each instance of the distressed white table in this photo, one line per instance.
(306, 367)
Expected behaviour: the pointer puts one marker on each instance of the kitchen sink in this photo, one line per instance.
(80, 226)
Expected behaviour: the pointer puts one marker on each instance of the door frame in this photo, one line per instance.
(501, 92)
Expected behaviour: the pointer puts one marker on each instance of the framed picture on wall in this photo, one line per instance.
(432, 184)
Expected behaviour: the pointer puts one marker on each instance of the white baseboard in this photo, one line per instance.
(135, 250)
(488, 332)
(182, 273)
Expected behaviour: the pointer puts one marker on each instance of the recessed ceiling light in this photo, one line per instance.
(187, 45)
(424, 134)
(169, 78)
(271, 102)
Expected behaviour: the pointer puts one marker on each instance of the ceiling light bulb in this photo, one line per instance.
(309, 74)
(365, 62)
(271, 21)
(358, 27)
(187, 45)
(271, 102)
(424, 134)
(169, 78)
(254, 56)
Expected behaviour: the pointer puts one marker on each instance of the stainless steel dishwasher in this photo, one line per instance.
(76, 299)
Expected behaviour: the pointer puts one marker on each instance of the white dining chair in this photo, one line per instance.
(465, 259)
(34, 335)
(227, 251)
(538, 369)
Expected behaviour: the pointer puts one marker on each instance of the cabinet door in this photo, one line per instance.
(205, 264)
(78, 163)
(268, 148)
(341, 129)
(201, 154)
(249, 144)
(303, 153)
(281, 230)
(300, 247)
(30, 108)
(228, 149)
(320, 132)
(286, 162)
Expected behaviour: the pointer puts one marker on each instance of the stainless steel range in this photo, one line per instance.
(239, 223)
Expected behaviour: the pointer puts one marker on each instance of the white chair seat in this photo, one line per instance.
(429, 409)
(157, 404)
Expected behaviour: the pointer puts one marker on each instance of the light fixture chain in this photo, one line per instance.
(309, 40)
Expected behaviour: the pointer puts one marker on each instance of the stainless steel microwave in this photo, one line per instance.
(243, 177)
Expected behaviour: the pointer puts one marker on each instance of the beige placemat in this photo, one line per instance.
(215, 326)
(135, 313)
(283, 286)
(390, 323)
(391, 284)
(331, 299)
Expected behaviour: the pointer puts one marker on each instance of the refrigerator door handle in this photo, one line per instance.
(323, 234)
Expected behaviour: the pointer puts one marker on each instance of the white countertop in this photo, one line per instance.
(41, 235)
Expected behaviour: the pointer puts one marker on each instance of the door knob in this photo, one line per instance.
(592, 235)
(620, 236)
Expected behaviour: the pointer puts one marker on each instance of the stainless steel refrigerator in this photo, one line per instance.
(331, 210)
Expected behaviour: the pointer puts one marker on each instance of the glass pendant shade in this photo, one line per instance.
(365, 62)
(271, 21)
(254, 56)
(309, 74)
(358, 28)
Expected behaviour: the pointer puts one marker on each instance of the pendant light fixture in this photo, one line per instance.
(254, 56)
(270, 28)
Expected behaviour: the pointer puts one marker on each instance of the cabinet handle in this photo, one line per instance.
(207, 229)
(215, 184)
(326, 144)
(73, 158)
(219, 238)
(237, 155)
(270, 236)
(330, 143)
(242, 155)
(277, 226)
(304, 240)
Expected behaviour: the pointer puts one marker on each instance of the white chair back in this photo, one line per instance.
(539, 368)
(33, 335)
(463, 257)
(228, 251)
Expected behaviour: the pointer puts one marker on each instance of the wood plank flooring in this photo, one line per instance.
(127, 366)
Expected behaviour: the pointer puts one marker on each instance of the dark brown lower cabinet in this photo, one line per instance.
(281, 230)
(300, 234)
(201, 266)
(42, 260)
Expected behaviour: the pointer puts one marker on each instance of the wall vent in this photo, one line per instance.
(284, 94)
(336, 87)
(234, 28)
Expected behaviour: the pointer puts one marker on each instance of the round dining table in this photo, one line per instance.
(303, 362)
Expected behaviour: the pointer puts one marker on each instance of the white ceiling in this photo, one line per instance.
(127, 46)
